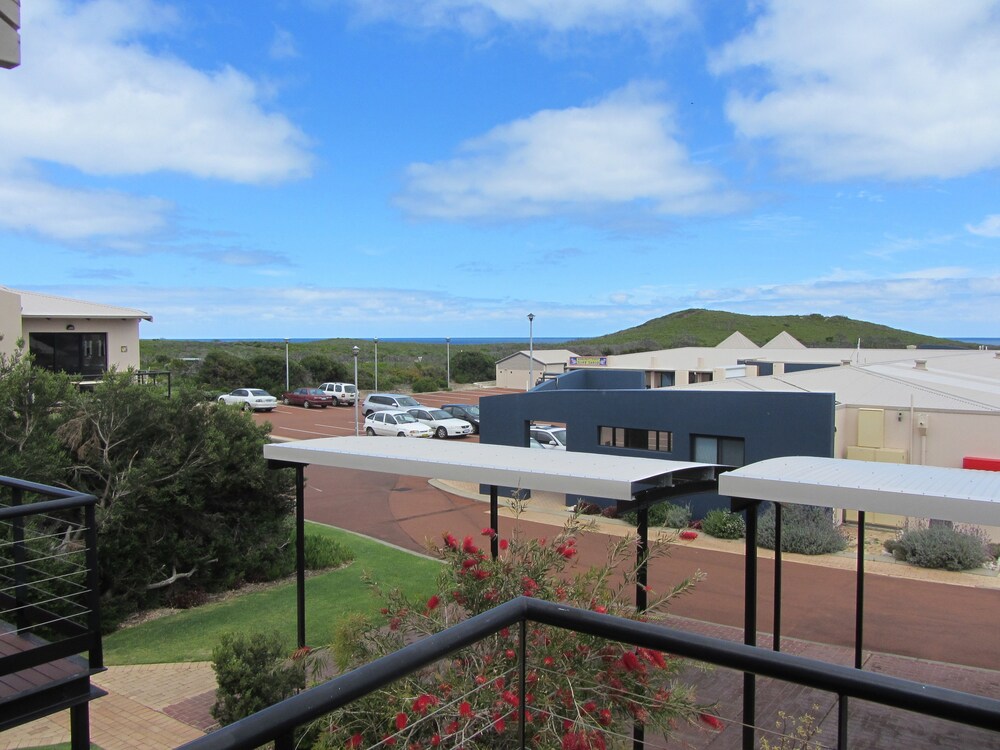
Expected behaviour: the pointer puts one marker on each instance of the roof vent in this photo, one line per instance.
(920, 364)
(845, 362)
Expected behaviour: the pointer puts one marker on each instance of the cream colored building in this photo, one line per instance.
(516, 370)
(81, 338)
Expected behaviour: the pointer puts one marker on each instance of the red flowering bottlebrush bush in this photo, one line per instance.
(581, 692)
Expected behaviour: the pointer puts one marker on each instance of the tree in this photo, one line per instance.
(324, 369)
(472, 367)
(220, 369)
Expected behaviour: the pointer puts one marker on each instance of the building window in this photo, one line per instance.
(708, 449)
(699, 377)
(74, 353)
(630, 437)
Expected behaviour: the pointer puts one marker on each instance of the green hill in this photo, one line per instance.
(710, 327)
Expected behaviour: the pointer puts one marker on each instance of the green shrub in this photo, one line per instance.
(940, 547)
(253, 672)
(805, 530)
(323, 552)
(664, 514)
(724, 524)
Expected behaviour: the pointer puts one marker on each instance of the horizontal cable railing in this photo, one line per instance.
(48, 575)
(278, 723)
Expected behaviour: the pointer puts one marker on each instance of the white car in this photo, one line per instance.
(443, 424)
(250, 398)
(395, 422)
(552, 438)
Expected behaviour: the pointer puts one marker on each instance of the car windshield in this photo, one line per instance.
(439, 414)
(258, 392)
(405, 418)
(407, 401)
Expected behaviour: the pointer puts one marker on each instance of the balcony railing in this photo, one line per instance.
(279, 723)
(50, 630)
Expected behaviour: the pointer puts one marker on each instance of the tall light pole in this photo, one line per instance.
(356, 430)
(447, 348)
(376, 363)
(531, 351)
(287, 388)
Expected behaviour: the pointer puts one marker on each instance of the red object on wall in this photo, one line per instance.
(984, 464)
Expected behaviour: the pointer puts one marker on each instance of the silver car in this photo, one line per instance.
(443, 424)
(249, 398)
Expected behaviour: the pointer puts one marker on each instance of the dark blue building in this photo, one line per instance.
(611, 412)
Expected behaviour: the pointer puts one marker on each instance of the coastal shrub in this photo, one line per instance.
(587, 508)
(426, 384)
(805, 530)
(585, 692)
(472, 367)
(253, 671)
(609, 512)
(723, 524)
(940, 547)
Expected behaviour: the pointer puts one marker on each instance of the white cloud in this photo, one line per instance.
(477, 16)
(91, 96)
(622, 150)
(283, 45)
(871, 88)
(988, 227)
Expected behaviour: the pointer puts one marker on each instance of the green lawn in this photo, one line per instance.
(190, 635)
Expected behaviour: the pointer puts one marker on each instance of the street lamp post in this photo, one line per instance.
(447, 348)
(531, 351)
(356, 350)
(376, 363)
(287, 388)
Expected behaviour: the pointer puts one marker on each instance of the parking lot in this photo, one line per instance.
(296, 423)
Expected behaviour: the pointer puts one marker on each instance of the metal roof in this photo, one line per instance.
(593, 474)
(38, 305)
(962, 495)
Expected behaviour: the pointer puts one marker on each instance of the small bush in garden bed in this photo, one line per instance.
(581, 691)
(805, 530)
(323, 553)
(253, 672)
(724, 524)
(609, 512)
(664, 514)
(941, 547)
(588, 508)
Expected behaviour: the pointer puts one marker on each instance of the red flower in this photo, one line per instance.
(465, 710)
(548, 661)
(630, 661)
(469, 547)
(433, 602)
(450, 541)
(713, 721)
(435, 740)
(451, 728)
(355, 741)
(499, 725)
(504, 544)
(421, 703)
(401, 721)
(689, 534)
(601, 609)
(488, 532)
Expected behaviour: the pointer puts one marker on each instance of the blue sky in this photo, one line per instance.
(394, 168)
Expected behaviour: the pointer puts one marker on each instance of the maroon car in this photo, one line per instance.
(307, 397)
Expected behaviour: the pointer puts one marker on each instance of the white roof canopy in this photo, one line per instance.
(597, 475)
(962, 495)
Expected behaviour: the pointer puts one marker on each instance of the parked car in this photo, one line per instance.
(395, 422)
(380, 401)
(441, 422)
(250, 398)
(306, 397)
(553, 438)
(468, 412)
(344, 394)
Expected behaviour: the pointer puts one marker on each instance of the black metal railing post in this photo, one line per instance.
(523, 678)
(750, 625)
(776, 644)
(20, 558)
(300, 552)
(93, 595)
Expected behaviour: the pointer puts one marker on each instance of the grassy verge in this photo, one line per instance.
(190, 635)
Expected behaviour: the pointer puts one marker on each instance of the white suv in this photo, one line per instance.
(344, 394)
(382, 401)
(553, 438)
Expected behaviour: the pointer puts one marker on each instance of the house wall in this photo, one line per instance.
(771, 424)
(10, 322)
(123, 335)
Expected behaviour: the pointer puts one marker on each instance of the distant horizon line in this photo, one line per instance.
(469, 339)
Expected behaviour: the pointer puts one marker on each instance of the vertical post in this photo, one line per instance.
(376, 366)
(300, 551)
(447, 346)
(18, 554)
(641, 598)
(79, 721)
(776, 646)
(859, 611)
(95, 652)
(531, 351)
(287, 387)
(357, 430)
(494, 522)
(750, 625)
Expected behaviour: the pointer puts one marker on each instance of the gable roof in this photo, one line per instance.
(37, 305)
(784, 340)
(736, 341)
(544, 356)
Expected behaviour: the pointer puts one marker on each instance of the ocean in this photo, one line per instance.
(455, 340)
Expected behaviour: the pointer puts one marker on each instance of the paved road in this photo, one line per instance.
(948, 623)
